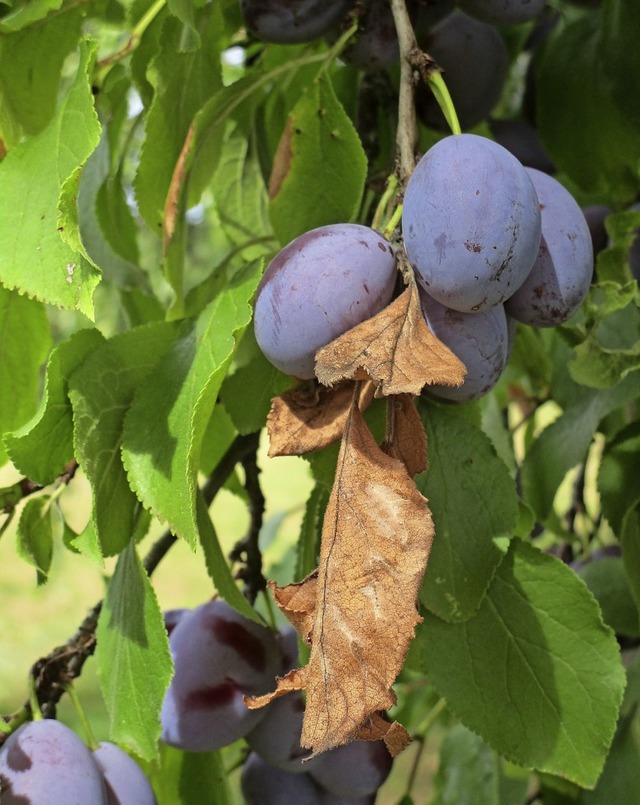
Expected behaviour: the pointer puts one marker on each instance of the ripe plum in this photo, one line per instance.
(263, 784)
(562, 273)
(503, 12)
(464, 47)
(480, 340)
(45, 761)
(125, 781)
(523, 141)
(354, 770)
(291, 21)
(471, 223)
(318, 287)
(219, 656)
(277, 737)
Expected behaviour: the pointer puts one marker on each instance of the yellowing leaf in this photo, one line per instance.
(395, 348)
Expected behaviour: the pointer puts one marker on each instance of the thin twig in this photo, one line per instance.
(407, 133)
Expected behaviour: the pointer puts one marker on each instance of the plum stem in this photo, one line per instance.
(407, 131)
(442, 96)
(82, 716)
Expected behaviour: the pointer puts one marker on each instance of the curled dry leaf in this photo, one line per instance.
(376, 540)
(311, 417)
(298, 603)
(176, 190)
(408, 440)
(395, 348)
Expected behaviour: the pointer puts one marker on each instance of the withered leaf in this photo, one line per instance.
(311, 417)
(298, 603)
(408, 441)
(375, 544)
(176, 190)
(281, 160)
(396, 349)
(394, 735)
(295, 679)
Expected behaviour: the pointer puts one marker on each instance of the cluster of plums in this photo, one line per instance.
(46, 762)
(221, 656)
(491, 243)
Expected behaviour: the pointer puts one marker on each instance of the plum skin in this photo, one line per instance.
(45, 761)
(561, 275)
(471, 223)
(480, 340)
(292, 21)
(322, 284)
(125, 780)
(219, 656)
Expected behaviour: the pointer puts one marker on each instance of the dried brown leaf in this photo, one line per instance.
(375, 544)
(394, 735)
(396, 349)
(408, 441)
(176, 188)
(311, 417)
(296, 679)
(298, 603)
(281, 160)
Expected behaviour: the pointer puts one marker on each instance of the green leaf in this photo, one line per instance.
(535, 672)
(239, 189)
(321, 166)
(630, 539)
(24, 345)
(620, 22)
(27, 13)
(163, 432)
(42, 448)
(183, 82)
(134, 663)
(31, 60)
(101, 391)
(470, 773)
(190, 778)
(35, 177)
(564, 443)
(609, 583)
(620, 780)
(247, 393)
(473, 500)
(218, 436)
(35, 535)
(310, 532)
(618, 476)
(585, 131)
(217, 565)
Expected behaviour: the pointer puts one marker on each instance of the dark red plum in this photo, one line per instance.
(125, 781)
(219, 656)
(355, 770)
(563, 270)
(292, 21)
(480, 340)
(471, 223)
(503, 12)
(46, 762)
(463, 46)
(263, 784)
(522, 140)
(318, 287)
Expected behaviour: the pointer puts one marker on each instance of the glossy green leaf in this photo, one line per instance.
(38, 185)
(31, 60)
(163, 432)
(101, 391)
(564, 443)
(24, 344)
(134, 663)
(247, 393)
(535, 672)
(473, 500)
(322, 166)
(42, 448)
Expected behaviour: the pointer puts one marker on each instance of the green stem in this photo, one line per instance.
(36, 712)
(432, 716)
(82, 716)
(104, 65)
(378, 217)
(442, 96)
(393, 222)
